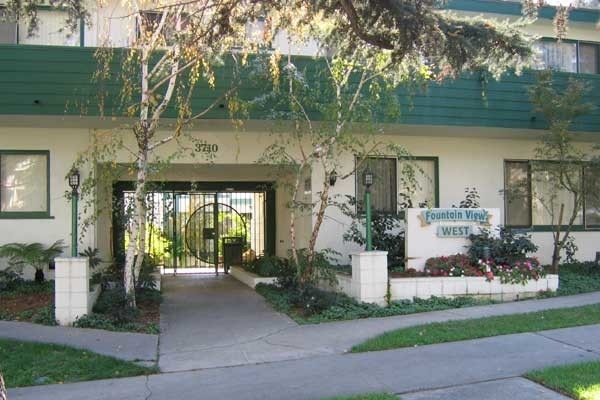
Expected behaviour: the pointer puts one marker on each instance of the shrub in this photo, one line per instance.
(45, 316)
(387, 234)
(9, 280)
(455, 265)
(503, 246)
(516, 272)
(112, 303)
(270, 266)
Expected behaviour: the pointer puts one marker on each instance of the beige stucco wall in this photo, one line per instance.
(467, 157)
(466, 161)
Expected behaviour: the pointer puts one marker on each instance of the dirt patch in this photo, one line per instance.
(26, 304)
(149, 314)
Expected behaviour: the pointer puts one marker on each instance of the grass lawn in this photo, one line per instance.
(372, 396)
(580, 381)
(27, 364)
(441, 332)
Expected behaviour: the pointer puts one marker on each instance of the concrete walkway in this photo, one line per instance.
(123, 345)
(209, 322)
(460, 367)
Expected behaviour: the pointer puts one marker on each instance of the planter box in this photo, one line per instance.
(408, 288)
(248, 278)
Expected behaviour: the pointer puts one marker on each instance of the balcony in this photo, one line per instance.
(51, 80)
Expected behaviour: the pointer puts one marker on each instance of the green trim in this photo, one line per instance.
(514, 8)
(550, 228)
(31, 214)
(25, 215)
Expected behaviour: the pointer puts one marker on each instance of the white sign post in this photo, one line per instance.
(434, 232)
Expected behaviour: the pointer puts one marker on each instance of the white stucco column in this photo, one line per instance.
(72, 289)
(370, 276)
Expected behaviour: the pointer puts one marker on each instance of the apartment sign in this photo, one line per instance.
(445, 216)
(434, 232)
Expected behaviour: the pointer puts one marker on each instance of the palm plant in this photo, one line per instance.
(35, 254)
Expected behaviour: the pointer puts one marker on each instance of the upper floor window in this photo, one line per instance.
(24, 185)
(569, 56)
(8, 29)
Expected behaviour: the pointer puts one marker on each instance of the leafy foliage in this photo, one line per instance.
(316, 306)
(578, 278)
(387, 233)
(34, 254)
(471, 199)
(502, 245)
(561, 158)
(270, 266)
(93, 256)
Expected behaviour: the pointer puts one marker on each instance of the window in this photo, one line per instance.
(569, 56)
(383, 190)
(422, 191)
(24, 186)
(588, 58)
(517, 193)
(392, 190)
(591, 178)
(531, 197)
(8, 29)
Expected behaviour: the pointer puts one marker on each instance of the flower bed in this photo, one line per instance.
(461, 265)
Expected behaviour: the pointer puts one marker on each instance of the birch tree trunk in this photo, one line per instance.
(3, 395)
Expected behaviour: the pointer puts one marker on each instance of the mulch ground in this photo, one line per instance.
(17, 304)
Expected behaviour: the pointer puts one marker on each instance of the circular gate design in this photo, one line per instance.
(201, 234)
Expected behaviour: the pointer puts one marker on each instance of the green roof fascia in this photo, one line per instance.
(514, 8)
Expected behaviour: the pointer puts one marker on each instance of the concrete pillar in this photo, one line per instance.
(370, 276)
(72, 289)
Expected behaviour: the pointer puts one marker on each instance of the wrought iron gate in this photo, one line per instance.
(189, 230)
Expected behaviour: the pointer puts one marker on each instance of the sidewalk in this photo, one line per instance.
(404, 371)
(208, 328)
(200, 330)
(123, 345)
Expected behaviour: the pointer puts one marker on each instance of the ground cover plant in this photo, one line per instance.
(579, 381)
(452, 331)
(112, 313)
(309, 305)
(27, 364)
(578, 278)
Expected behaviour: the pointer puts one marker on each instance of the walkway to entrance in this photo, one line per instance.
(209, 321)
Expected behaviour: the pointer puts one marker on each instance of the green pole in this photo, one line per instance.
(74, 199)
(368, 222)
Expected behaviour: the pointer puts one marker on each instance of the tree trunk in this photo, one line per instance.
(136, 240)
(3, 395)
(308, 271)
(558, 244)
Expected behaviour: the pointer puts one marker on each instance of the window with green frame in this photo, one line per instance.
(392, 191)
(24, 184)
(531, 199)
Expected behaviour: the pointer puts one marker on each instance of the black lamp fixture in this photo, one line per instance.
(332, 178)
(368, 178)
(74, 179)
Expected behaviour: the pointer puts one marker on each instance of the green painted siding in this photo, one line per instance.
(514, 8)
(50, 80)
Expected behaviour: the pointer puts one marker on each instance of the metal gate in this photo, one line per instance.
(190, 231)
